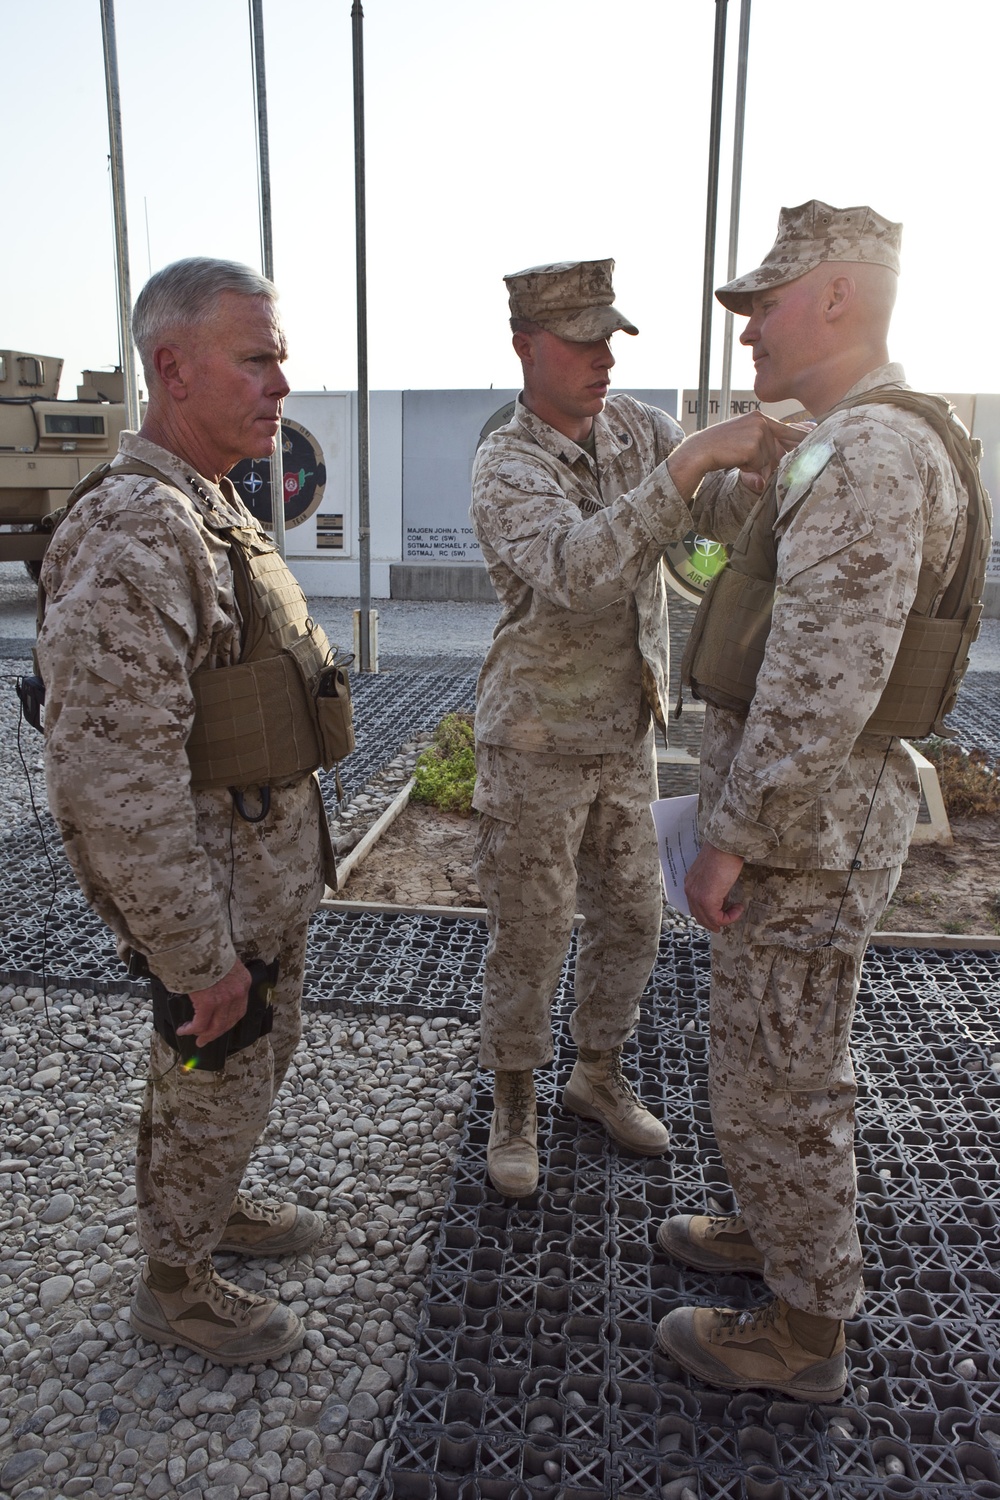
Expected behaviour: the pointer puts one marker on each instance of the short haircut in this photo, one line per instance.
(185, 294)
(525, 325)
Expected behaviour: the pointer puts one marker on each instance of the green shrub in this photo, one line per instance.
(445, 775)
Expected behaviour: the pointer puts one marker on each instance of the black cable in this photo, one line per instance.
(48, 1026)
(48, 859)
(854, 862)
(232, 869)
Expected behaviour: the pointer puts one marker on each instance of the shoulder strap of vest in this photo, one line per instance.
(97, 476)
(965, 453)
(90, 481)
(241, 579)
(251, 629)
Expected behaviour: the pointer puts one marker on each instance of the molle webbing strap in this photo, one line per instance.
(271, 602)
(728, 640)
(257, 721)
(252, 725)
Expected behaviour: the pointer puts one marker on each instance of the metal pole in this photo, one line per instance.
(725, 394)
(364, 523)
(121, 226)
(712, 211)
(266, 246)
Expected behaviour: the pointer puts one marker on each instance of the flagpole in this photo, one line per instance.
(712, 212)
(266, 245)
(725, 394)
(130, 381)
(364, 455)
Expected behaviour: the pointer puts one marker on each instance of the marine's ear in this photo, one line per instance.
(838, 295)
(524, 347)
(167, 365)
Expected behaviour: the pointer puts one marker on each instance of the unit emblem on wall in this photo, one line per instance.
(304, 477)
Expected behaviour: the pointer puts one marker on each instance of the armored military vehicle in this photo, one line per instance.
(48, 445)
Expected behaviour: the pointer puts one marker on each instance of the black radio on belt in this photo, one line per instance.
(171, 1010)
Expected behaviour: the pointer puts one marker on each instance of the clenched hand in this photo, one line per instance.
(754, 444)
(219, 1007)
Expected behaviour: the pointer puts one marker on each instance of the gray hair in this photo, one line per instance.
(185, 294)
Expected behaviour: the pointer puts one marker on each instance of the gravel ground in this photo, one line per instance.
(364, 1132)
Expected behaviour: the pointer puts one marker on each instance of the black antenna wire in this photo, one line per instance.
(854, 862)
(54, 878)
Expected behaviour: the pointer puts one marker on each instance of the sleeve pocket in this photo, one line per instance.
(827, 516)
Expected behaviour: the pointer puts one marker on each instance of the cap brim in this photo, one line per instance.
(737, 296)
(588, 324)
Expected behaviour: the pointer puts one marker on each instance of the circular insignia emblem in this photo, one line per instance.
(304, 477)
(500, 418)
(692, 564)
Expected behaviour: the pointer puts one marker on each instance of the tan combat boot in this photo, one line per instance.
(266, 1229)
(512, 1153)
(193, 1306)
(710, 1242)
(599, 1090)
(773, 1347)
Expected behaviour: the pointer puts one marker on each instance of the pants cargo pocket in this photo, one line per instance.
(803, 1020)
(497, 864)
(497, 854)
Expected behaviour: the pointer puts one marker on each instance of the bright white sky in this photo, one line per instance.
(499, 136)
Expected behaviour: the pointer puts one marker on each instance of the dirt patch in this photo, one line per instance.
(425, 859)
(951, 888)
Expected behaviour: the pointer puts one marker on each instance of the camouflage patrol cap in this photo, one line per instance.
(810, 234)
(570, 298)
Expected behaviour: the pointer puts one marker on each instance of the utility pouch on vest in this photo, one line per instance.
(330, 696)
(252, 725)
(732, 635)
(171, 1010)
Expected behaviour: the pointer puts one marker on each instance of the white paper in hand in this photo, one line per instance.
(676, 822)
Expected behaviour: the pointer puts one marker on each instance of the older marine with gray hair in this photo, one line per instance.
(186, 295)
(200, 840)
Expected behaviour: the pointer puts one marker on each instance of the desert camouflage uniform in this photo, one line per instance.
(818, 808)
(140, 594)
(564, 743)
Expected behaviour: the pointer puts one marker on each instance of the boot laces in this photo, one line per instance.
(619, 1079)
(751, 1320)
(232, 1299)
(258, 1213)
(517, 1104)
(718, 1222)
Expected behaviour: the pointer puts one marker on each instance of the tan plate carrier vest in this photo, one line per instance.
(285, 708)
(726, 647)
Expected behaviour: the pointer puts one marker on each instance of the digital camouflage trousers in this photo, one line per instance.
(560, 834)
(197, 1130)
(781, 1082)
